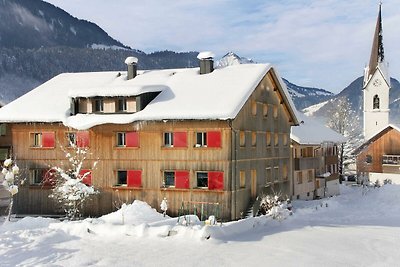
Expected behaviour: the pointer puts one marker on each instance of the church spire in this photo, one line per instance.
(377, 53)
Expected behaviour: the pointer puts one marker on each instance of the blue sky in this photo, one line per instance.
(319, 43)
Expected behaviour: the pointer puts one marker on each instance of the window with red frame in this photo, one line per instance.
(129, 178)
(212, 180)
(177, 179)
(127, 139)
(208, 139)
(79, 139)
(43, 139)
(175, 139)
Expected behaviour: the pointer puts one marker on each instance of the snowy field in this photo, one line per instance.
(354, 229)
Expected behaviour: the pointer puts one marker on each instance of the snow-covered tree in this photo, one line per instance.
(275, 206)
(10, 180)
(70, 188)
(344, 121)
(164, 206)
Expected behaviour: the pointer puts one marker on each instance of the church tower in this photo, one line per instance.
(376, 86)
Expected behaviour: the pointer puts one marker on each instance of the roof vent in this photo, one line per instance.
(206, 62)
(131, 62)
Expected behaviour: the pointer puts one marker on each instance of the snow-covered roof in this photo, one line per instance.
(185, 94)
(313, 132)
(374, 137)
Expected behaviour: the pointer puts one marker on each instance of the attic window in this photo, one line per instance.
(98, 105)
(122, 105)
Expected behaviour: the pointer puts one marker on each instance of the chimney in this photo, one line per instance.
(132, 67)
(206, 62)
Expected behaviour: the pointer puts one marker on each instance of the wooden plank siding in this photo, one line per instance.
(386, 143)
(265, 113)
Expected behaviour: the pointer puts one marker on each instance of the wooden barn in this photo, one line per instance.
(206, 139)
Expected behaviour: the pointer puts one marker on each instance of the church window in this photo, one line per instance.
(376, 102)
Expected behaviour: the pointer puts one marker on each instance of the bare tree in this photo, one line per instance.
(344, 120)
(11, 180)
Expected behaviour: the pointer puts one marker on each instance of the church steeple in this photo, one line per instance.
(376, 86)
(377, 57)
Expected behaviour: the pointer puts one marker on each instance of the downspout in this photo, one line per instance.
(233, 171)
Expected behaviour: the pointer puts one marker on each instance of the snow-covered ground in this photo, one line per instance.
(354, 229)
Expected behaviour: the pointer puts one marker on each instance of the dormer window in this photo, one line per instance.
(376, 102)
(122, 105)
(98, 105)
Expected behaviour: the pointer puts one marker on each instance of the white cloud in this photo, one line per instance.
(321, 43)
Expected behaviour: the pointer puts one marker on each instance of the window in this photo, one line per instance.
(253, 139)
(285, 139)
(177, 179)
(44, 139)
(368, 159)
(310, 176)
(268, 176)
(42, 177)
(202, 179)
(127, 139)
(275, 112)
(208, 139)
(242, 179)
(201, 139)
(242, 137)
(285, 172)
(98, 105)
(265, 110)
(175, 139)
(79, 139)
(268, 139)
(276, 139)
(122, 105)
(254, 108)
(130, 178)
(376, 102)
(300, 177)
(276, 173)
(3, 129)
(212, 180)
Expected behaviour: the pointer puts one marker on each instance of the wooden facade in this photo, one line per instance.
(380, 153)
(252, 158)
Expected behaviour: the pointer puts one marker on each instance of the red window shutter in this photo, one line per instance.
(132, 139)
(216, 180)
(180, 139)
(48, 139)
(82, 139)
(49, 177)
(86, 176)
(181, 179)
(214, 139)
(134, 178)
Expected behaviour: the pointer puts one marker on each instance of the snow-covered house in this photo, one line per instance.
(315, 159)
(202, 138)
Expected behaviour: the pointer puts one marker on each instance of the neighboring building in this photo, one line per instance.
(380, 152)
(315, 159)
(204, 139)
(379, 157)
